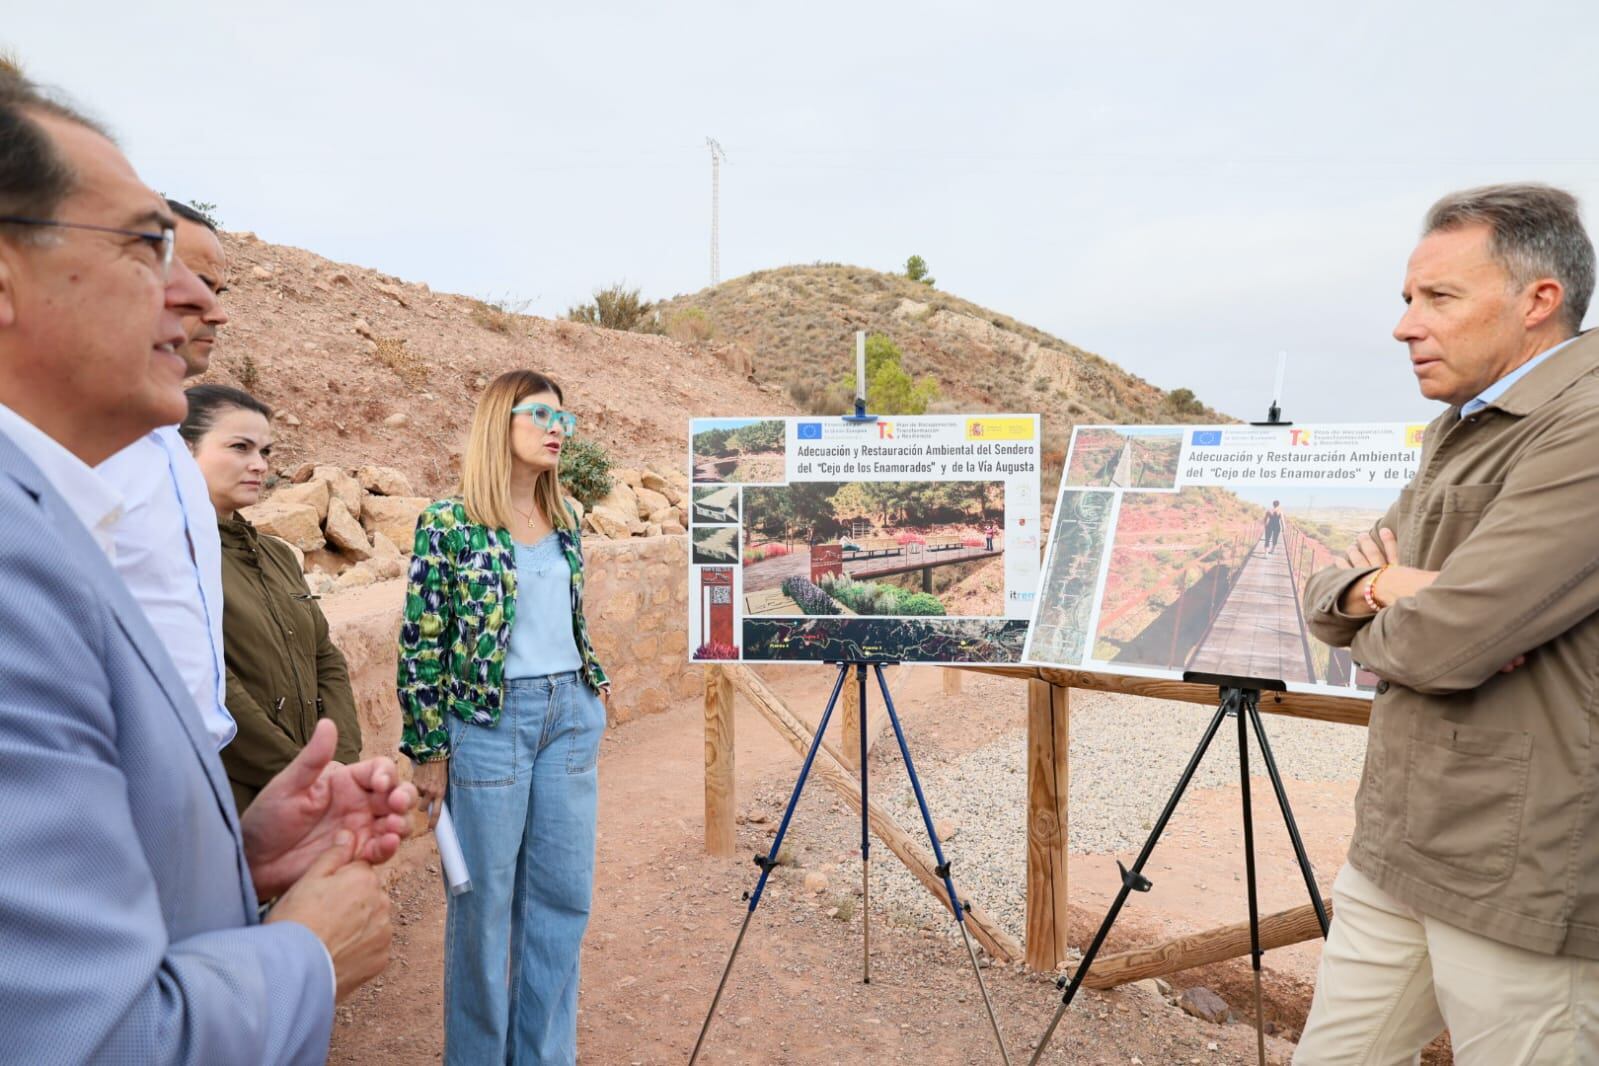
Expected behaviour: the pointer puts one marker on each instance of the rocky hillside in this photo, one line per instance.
(366, 369)
(786, 319)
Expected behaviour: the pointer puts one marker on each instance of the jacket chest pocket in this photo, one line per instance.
(1449, 518)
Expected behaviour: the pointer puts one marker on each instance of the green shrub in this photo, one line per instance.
(586, 470)
(923, 604)
(689, 326)
(618, 308)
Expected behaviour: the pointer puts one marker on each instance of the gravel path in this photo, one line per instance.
(1126, 755)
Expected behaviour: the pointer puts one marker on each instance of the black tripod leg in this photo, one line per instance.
(1288, 818)
(866, 834)
(768, 861)
(1131, 880)
(938, 857)
(1243, 702)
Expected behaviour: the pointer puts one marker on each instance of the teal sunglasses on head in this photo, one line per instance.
(546, 417)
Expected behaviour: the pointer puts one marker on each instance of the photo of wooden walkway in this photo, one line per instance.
(910, 559)
(1259, 630)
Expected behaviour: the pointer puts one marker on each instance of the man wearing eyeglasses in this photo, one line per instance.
(168, 550)
(128, 891)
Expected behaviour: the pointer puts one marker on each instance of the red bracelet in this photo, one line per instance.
(1370, 590)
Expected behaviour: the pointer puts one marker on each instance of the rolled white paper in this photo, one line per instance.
(456, 876)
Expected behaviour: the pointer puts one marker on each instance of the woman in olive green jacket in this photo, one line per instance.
(284, 672)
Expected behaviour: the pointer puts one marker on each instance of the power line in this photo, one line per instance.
(717, 156)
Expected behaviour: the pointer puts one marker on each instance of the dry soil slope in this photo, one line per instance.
(982, 359)
(365, 368)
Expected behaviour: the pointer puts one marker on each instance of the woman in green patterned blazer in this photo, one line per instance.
(503, 704)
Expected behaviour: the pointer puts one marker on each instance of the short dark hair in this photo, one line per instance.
(184, 211)
(34, 179)
(1536, 232)
(206, 402)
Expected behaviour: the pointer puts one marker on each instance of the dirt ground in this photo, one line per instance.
(665, 916)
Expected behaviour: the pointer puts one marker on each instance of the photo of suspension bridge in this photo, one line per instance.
(1126, 457)
(1213, 580)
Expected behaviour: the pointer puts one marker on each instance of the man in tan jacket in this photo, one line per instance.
(1470, 900)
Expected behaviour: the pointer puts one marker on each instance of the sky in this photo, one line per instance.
(1186, 189)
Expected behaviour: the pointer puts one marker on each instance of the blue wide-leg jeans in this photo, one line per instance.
(523, 796)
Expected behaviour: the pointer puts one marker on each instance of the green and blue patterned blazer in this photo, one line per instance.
(460, 603)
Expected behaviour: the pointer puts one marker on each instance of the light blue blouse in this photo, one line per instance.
(541, 637)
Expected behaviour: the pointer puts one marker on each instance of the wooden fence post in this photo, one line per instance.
(848, 748)
(1048, 778)
(720, 800)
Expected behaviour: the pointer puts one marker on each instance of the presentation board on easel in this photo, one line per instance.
(905, 539)
(1187, 548)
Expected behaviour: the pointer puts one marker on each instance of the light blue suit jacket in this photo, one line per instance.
(128, 929)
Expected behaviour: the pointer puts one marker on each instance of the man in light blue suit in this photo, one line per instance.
(129, 930)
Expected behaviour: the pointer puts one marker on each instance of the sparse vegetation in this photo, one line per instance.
(690, 326)
(620, 308)
(586, 470)
(1184, 403)
(499, 315)
(916, 270)
(249, 375)
(406, 364)
(889, 387)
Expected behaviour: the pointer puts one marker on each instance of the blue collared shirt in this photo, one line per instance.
(1492, 393)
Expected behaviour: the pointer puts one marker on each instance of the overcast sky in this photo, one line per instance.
(1186, 189)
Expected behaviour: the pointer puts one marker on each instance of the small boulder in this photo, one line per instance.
(296, 523)
(313, 494)
(654, 482)
(661, 517)
(608, 523)
(342, 485)
(384, 548)
(383, 481)
(354, 578)
(393, 516)
(345, 532)
(303, 473)
(621, 501)
(627, 476)
(650, 501)
(1204, 1004)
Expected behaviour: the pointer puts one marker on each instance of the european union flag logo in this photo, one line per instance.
(1206, 438)
(810, 431)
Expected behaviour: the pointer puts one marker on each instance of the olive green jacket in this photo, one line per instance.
(283, 671)
(1479, 801)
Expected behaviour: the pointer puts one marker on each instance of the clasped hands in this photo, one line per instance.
(313, 836)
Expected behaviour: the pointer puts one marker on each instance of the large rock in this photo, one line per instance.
(662, 516)
(626, 476)
(653, 481)
(650, 501)
(387, 568)
(384, 548)
(313, 494)
(577, 507)
(345, 532)
(296, 523)
(393, 516)
(383, 481)
(326, 561)
(621, 501)
(343, 486)
(1202, 1003)
(606, 522)
(354, 578)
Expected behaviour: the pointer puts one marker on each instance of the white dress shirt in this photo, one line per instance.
(169, 553)
(96, 503)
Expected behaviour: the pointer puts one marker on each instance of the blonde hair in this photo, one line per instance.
(486, 466)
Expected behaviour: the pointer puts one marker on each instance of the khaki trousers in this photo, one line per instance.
(1391, 980)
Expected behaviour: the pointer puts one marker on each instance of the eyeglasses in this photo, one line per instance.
(546, 417)
(163, 243)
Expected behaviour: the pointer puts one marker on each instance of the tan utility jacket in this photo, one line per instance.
(1479, 803)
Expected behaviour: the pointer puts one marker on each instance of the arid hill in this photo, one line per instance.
(364, 368)
(983, 360)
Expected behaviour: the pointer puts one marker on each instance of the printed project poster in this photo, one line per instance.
(907, 539)
(1187, 548)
